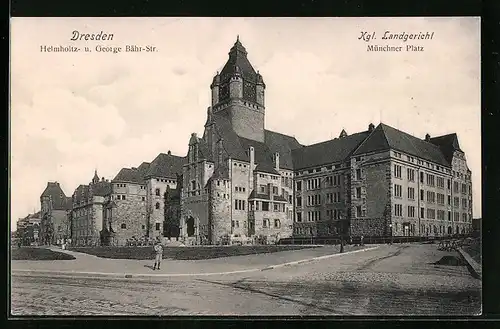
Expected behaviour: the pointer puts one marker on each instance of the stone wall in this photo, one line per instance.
(219, 210)
(377, 176)
(247, 122)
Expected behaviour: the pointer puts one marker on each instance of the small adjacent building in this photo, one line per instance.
(55, 207)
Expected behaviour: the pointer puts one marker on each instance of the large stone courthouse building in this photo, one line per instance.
(242, 180)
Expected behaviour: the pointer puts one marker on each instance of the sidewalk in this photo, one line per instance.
(89, 265)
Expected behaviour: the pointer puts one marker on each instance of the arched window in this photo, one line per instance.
(157, 205)
(124, 225)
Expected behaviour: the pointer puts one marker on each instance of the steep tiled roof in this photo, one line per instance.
(166, 165)
(204, 150)
(282, 144)
(385, 137)
(81, 194)
(102, 188)
(54, 190)
(238, 62)
(448, 145)
(129, 175)
(334, 150)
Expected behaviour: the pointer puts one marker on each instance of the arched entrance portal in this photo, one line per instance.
(190, 226)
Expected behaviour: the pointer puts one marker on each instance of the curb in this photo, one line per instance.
(473, 266)
(73, 274)
(315, 258)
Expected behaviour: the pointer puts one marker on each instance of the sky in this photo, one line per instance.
(73, 113)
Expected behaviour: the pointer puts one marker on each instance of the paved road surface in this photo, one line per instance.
(390, 280)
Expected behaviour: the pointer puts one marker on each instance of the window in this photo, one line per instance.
(277, 223)
(398, 210)
(431, 213)
(143, 227)
(411, 193)
(299, 186)
(397, 171)
(411, 211)
(157, 205)
(275, 190)
(143, 198)
(464, 189)
(265, 223)
(411, 174)
(157, 226)
(431, 197)
(449, 200)
(265, 206)
(157, 192)
(358, 211)
(336, 180)
(299, 201)
(440, 214)
(124, 226)
(358, 192)
(123, 197)
(430, 179)
(398, 191)
(449, 184)
(456, 202)
(440, 182)
(455, 187)
(299, 217)
(422, 177)
(464, 204)
(358, 174)
(422, 212)
(421, 195)
(263, 189)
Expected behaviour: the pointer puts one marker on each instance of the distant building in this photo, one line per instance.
(90, 204)
(28, 229)
(55, 206)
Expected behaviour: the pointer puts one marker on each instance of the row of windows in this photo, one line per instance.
(333, 180)
(420, 162)
(313, 216)
(314, 183)
(313, 200)
(165, 180)
(239, 189)
(429, 213)
(261, 205)
(239, 204)
(267, 223)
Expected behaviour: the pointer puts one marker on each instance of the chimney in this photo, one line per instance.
(102, 179)
(169, 153)
(277, 161)
(427, 137)
(371, 126)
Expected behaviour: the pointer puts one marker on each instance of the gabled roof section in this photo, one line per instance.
(335, 150)
(81, 193)
(129, 175)
(102, 188)
(448, 144)
(238, 63)
(282, 144)
(143, 168)
(55, 192)
(166, 165)
(385, 137)
(204, 150)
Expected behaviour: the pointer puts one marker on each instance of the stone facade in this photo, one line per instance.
(55, 208)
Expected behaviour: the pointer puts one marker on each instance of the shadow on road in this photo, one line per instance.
(237, 285)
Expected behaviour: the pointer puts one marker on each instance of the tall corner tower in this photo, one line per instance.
(238, 93)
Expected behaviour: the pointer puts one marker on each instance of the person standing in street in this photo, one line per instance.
(158, 248)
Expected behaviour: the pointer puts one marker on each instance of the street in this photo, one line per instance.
(389, 280)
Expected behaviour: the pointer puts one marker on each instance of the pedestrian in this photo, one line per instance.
(158, 248)
(362, 242)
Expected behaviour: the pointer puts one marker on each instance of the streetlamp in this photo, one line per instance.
(390, 229)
